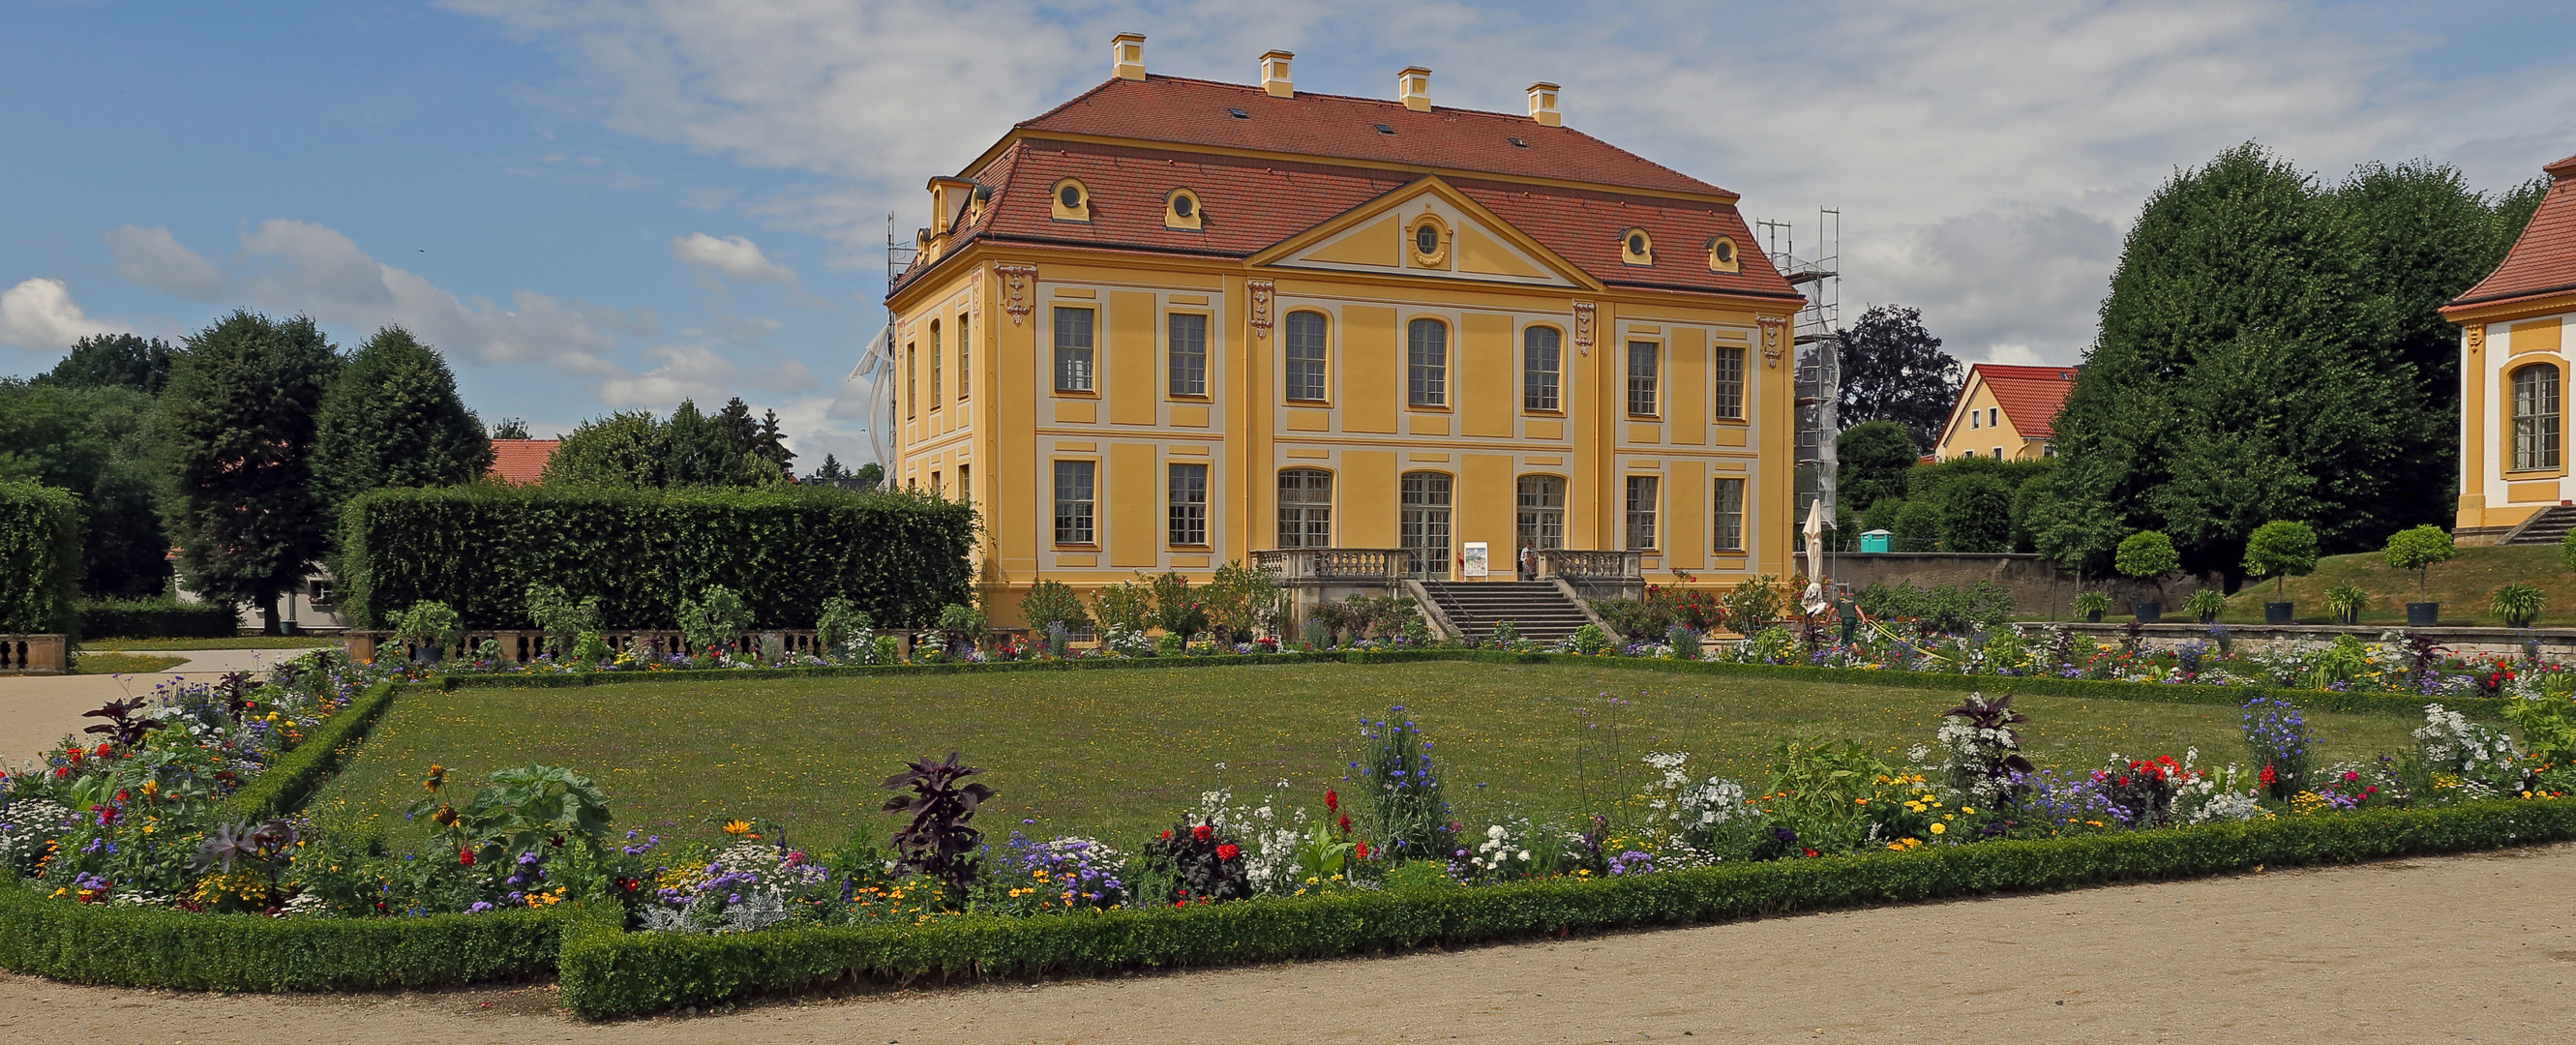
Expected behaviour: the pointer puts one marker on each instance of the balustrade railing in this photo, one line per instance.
(1297, 566)
(1590, 565)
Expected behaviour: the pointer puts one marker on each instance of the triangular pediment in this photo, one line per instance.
(1380, 236)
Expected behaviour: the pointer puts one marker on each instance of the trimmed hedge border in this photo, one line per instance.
(141, 947)
(294, 778)
(2086, 689)
(606, 972)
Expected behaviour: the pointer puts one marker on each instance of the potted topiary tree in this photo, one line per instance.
(429, 627)
(2148, 555)
(2280, 549)
(2418, 549)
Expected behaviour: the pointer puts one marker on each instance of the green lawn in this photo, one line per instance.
(2465, 587)
(236, 642)
(1121, 753)
(115, 663)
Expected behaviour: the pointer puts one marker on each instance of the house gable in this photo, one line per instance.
(1473, 243)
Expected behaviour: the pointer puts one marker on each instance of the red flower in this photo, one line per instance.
(2269, 778)
(465, 857)
(1346, 823)
(1332, 802)
(1228, 851)
(103, 749)
(1202, 832)
(2351, 777)
(1167, 834)
(62, 771)
(1812, 852)
(1362, 852)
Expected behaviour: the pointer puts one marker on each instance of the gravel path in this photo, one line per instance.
(2468, 948)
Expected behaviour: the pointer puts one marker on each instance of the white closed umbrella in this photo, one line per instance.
(1814, 600)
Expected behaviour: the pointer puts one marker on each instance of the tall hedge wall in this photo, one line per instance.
(40, 557)
(785, 549)
(158, 619)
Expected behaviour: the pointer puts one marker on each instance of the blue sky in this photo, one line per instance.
(602, 205)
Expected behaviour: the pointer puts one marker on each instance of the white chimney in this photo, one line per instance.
(1274, 75)
(1413, 84)
(1127, 56)
(1542, 105)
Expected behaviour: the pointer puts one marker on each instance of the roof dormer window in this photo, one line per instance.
(1070, 201)
(1181, 210)
(1722, 256)
(1635, 248)
(1384, 129)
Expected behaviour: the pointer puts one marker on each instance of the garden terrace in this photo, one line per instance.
(1122, 753)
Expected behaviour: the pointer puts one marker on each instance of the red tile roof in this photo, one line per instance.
(1194, 112)
(2030, 395)
(1248, 205)
(2543, 258)
(521, 461)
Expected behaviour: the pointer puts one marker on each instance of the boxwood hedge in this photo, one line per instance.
(150, 947)
(607, 972)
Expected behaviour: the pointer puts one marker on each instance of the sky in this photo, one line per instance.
(602, 205)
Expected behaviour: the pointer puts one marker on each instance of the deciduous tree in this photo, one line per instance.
(237, 426)
(1894, 370)
(392, 418)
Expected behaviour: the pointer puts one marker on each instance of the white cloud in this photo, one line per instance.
(39, 314)
(1986, 157)
(155, 259)
(732, 256)
(322, 273)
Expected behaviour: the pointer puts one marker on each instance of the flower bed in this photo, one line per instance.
(665, 924)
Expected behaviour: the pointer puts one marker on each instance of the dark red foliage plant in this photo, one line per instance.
(940, 842)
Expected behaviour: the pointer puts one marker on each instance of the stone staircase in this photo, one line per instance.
(2549, 527)
(1538, 609)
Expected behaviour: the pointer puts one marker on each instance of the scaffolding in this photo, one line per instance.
(877, 358)
(1817, 327)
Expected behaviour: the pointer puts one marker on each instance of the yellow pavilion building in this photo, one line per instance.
(2513, 378)
(1173, 323)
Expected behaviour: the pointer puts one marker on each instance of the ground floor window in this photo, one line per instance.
(1423, 524)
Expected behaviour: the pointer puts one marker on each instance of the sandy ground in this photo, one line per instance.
(2470, 948)
(37, 710)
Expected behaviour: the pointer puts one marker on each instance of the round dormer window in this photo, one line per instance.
(1636, 243)
(1725, 252)
(1183, 206)
(1426, 239)
(1070, 196)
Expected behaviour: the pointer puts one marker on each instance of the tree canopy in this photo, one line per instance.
(2270, 350)
(114, 360)
(95, 441)
(1894, 370)
(237, 428)
(1871, 462)
(392, 418)
(635, 448)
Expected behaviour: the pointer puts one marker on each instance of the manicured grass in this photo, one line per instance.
(236, 642)
(1122, 753)
(111, 663)
(2465, 587)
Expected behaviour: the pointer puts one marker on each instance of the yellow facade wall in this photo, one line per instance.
(1372, 365)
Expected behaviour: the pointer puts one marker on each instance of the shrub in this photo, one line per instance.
(1635, 618)
(1917, 527)
(2418, 549)
(1976, 514)
(842, 627)
(40, 558)
(2092, 602)
(1053, 602)
(157, 618)
(562, 619)
(430, 623)
(1242, 599)
(787, 548)
(2281, 549)
(1753, 603)
(1126, 604)
(2147, 555)
(1176, 608)
(713, 619)
(2346, 601)
(940, 842)
(2567, 549)
(2519, 604)
(1945, 606)
(2205, 605)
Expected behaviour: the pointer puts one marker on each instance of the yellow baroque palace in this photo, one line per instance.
(2513, 378)
(1173, 323)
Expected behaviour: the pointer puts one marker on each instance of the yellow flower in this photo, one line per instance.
(1939, 828)
(737, 827)
(1970, 810)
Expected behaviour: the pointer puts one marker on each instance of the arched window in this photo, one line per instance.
(1422, 525)
(1540, 360)
(1540, 521)
(1305, 508)
(1181, 210)
(1426, 380)
(2535, 418)
(1304, 341)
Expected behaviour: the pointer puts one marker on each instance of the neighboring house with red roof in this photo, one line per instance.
(1173, 323)
(2006, 412)
(519, 462)
(2513, 374)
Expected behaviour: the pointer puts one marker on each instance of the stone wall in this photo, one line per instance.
(2038, 587)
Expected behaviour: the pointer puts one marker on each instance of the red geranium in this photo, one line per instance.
(465, 857)
(1345, 823)
(1332, 802)
(1228, 851)
(1362, 852)
(2269, 778)
(1202, 832)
